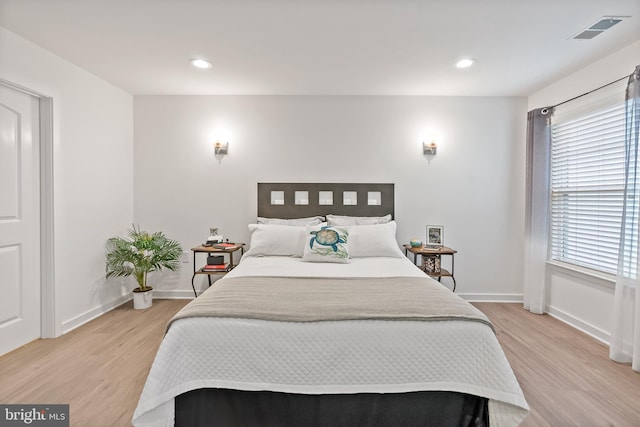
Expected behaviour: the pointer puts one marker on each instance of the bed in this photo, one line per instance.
(289, 338)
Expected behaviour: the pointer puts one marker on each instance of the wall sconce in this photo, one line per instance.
(221, 148)
(430, 148)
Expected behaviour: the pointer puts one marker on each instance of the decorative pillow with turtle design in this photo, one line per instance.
(326, 244)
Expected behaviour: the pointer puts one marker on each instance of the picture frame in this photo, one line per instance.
(435, 235)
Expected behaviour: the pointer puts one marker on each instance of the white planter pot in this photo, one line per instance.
(142, 300)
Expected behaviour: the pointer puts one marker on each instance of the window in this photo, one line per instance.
(587, 181)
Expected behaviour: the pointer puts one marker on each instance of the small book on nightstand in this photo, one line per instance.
(216, 267)
(224, 246)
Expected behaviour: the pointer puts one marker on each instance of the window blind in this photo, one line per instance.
(587, 181)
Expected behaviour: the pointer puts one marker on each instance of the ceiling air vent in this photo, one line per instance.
(599, 27)
(586, 35)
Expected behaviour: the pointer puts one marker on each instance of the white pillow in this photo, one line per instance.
(357, 220)
(377, 240)
(312, 220)
(326, 244)
(275, 240)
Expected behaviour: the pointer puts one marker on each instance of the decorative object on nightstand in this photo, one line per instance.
(432, 260)
(216, 264)
(415, 243)
(435, 236)
(214, 237)
(215, 259)
(139, 254)
(431, 264)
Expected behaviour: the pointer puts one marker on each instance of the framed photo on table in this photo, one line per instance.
(435, 235)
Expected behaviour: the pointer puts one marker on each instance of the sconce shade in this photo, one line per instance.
(221, 148)
(430, 148)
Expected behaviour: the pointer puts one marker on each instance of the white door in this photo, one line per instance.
(19, 219)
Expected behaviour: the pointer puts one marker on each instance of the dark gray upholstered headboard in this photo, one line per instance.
(278, 200)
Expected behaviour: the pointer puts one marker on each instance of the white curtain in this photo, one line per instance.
(537, 208)
(625, 333)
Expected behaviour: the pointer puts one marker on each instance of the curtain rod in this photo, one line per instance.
(591, 91)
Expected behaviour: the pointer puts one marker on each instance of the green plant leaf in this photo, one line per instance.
(141, 253)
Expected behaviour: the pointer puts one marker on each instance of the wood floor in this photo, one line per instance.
(100, 369)
(566, 376)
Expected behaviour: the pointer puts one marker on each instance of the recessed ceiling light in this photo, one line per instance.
(201, 63)
(465, 63)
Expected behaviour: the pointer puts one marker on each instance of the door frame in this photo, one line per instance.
(48, 324)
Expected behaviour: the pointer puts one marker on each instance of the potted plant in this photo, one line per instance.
(138, 254)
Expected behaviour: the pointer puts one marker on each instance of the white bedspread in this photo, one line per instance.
(330, 357)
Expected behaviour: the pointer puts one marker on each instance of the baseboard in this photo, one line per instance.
(563, 316)
(580, 325)
(71, 324)
(492, 297)
(174, 294)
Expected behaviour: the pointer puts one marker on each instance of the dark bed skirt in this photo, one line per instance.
(234, 408)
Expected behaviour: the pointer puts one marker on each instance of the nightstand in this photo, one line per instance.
(223, 249)
(431, 258)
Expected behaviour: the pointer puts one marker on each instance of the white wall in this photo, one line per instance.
(619, 64)
(474, 186)
(93, 173)
(584, 301)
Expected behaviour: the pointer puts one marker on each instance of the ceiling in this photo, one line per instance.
(330, 47)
